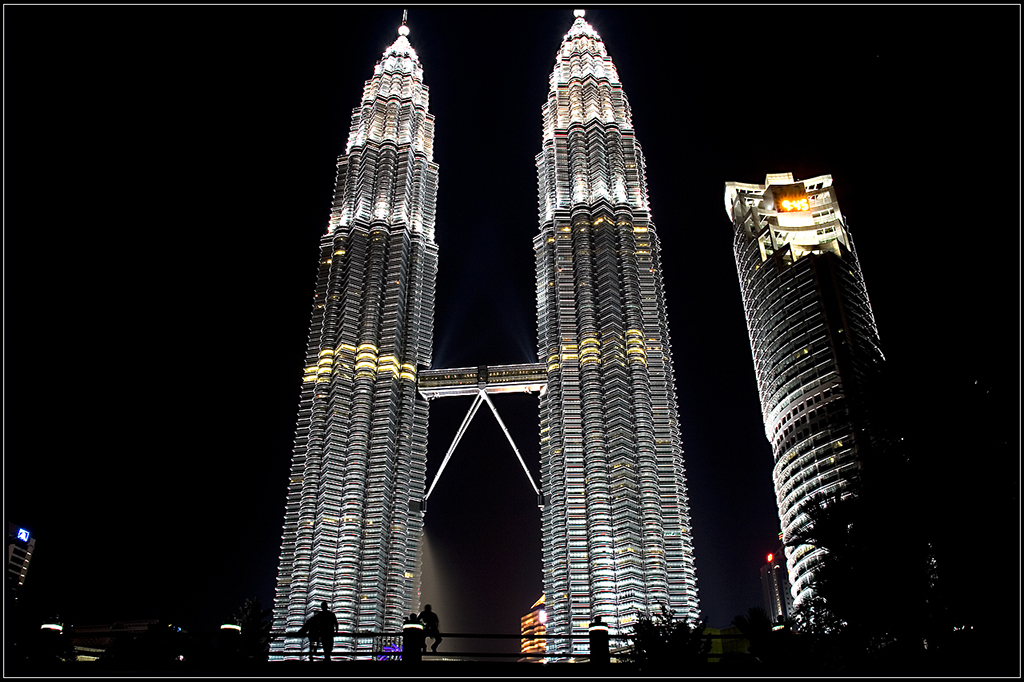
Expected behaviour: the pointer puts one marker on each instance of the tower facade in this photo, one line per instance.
(814, 343)
(616, 538)
(352, 526)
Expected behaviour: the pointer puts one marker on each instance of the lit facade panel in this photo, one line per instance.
(616, 530)
(349, 535)
(814, 344)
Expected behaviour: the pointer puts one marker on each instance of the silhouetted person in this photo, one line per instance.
(430, 628)
(322, 626)
(598, 642)
(412, 639)
(307, 630)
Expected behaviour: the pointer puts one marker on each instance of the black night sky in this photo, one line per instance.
(168, 172)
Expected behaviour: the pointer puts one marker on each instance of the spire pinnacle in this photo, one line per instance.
(403, 30)
(579, 12)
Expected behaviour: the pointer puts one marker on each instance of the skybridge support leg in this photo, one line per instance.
(510, 441)
(481, 397)
(458, 436)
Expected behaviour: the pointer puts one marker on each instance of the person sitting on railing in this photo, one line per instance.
(431, 625)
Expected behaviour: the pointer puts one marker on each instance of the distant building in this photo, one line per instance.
(814, 343)
(533, 628)
(778, 598)
(20, 545)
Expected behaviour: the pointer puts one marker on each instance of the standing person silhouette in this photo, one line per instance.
(430, 628)
(323, 626)
(308, 630)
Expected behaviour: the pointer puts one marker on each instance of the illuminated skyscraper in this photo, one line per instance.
(775, 587)
(352, 527)
(616, 529)
(814, 342)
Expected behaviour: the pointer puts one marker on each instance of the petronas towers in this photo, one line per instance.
(616, 528)
(350, 537)
(616, 536)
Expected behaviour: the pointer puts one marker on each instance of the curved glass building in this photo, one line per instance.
(617, 539)
(352, 523)
(814, 343)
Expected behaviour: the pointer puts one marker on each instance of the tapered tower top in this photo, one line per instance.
(580, 27)
(394, 110)
(583, 55)
(585, 91)
(401, 46)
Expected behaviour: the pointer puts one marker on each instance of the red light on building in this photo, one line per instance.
(770, 557)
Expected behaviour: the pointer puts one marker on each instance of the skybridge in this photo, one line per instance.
(481, 382)
(443, 383)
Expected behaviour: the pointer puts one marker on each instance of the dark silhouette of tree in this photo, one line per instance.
(254, 641)
(833, 527)
(772, 644)
(869, 587)
(756, 625)
(968, 458)
(661, 645)
(930, 490)
(814, 617)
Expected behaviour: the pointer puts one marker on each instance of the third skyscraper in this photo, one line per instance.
(815, 347)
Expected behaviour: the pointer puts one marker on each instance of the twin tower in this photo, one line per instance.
(616, 536)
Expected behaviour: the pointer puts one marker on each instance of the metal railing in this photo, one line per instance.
(407, 647)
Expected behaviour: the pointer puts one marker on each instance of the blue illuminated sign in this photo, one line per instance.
(391, 649)
(23, 535)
